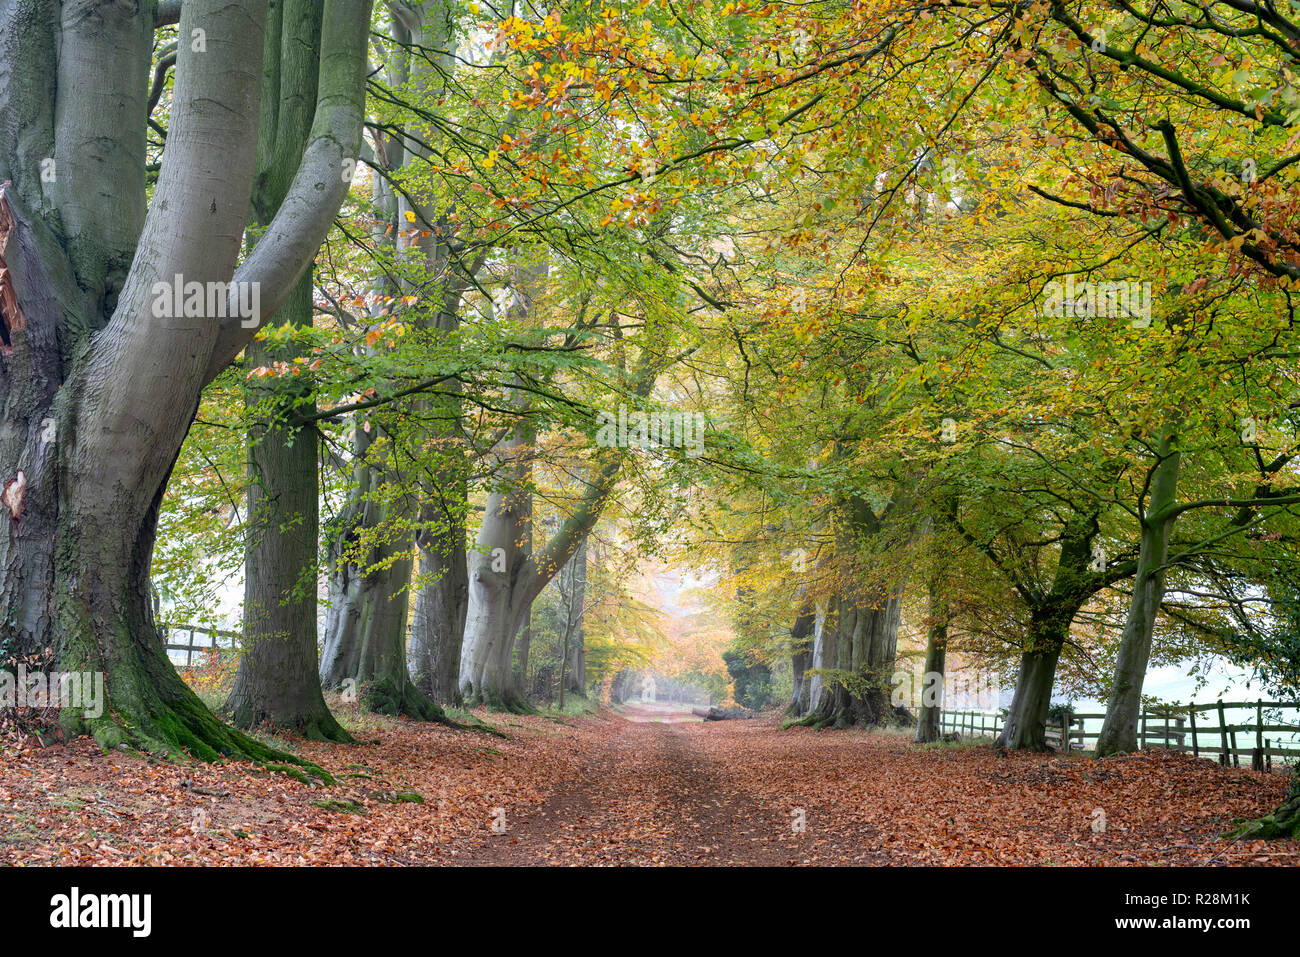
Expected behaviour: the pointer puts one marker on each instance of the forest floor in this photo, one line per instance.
(603, 789)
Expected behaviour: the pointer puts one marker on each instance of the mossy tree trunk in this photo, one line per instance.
(99, 389)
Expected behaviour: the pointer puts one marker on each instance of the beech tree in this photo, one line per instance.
(277, 680)
(100, 383)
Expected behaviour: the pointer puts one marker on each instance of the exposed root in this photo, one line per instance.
(509, 702)
(1284, 822)
(186, 730)
(319, 727)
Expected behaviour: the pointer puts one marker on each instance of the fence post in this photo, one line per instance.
(1142, 719)
(189, 651)
(1065, 733)
(1223, 736)
(1196, 748)
(1257, 756)
(1166, 730)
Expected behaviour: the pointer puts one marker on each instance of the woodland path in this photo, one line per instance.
(651, 795)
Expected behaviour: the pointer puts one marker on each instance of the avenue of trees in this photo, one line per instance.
(973, 315)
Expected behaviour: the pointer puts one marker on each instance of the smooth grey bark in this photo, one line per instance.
(99, 139)
(278, 681)
(438, 626)
(504, 581)
(370, 566)
(128, 381)
(522, 648)
(572, 587)
(827, 698)
(819, 657)
(1119, 729)
(801, 633)
(501, 576)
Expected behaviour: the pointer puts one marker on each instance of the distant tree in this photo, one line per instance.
(752, 680)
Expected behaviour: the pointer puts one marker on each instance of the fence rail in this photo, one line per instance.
(215, 640)
(1201, 729)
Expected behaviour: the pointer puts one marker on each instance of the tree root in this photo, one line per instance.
(508, 702)
(1284, 822)
(383, 697)
(184, 729)
(817, 721)
(322, 727)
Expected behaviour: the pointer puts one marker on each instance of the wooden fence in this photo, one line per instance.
(214, 638)
(1201, 730)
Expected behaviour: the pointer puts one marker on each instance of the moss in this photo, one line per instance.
(303, 771)
(401, 797)
(505, 701)
(384, 697)
(148, 708)
(815, 721)
(1282, 823)
(341, 807)
(321, 726)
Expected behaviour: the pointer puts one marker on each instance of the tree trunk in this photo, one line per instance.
(499, 594)
(1026, 722)
(822, 656)
(801, 659)
(277, 680)
(521, 654)
(81, 330)
(875, 660)
(928, 729)
(438, 629)
(1049, 627)
(504, 581)
(370, 577)
(1124, 707)
(572, 583)
(832, 658)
